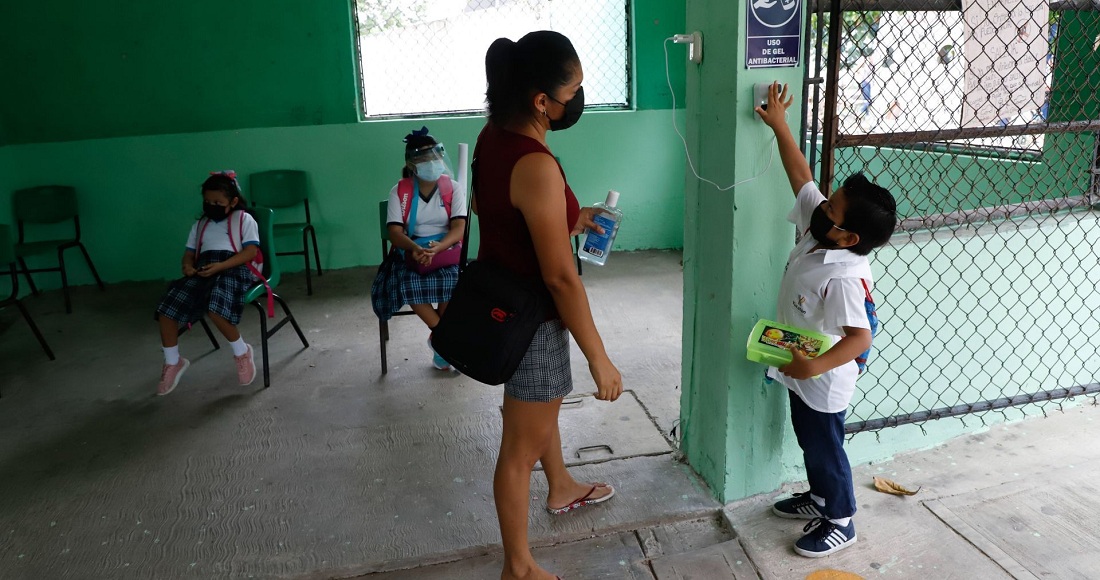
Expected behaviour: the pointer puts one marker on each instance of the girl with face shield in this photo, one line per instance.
(426, 218)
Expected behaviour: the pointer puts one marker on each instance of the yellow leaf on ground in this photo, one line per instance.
(833, 575)
(887, 486)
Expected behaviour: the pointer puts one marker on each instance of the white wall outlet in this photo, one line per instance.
(695, 49)
(695, 45)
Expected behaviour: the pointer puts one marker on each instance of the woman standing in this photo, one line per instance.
(527, 213)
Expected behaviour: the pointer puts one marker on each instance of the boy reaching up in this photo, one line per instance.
(824, 288)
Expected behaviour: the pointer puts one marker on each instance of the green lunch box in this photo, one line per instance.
(769, 343)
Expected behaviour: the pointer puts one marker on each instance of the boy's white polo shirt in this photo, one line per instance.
(822, 290)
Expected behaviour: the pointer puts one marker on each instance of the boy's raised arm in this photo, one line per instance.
(775, 116)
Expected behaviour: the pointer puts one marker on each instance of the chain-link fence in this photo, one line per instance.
(982, 117)
(420, 57)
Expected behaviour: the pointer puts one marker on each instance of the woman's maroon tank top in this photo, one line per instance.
(505, 239)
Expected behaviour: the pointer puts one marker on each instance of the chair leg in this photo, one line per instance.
(91, 266)
(305, 256)
(34, 329)
(27, 275)
(209, 334)
(64, 281)
(290, 317)
(263, 342)
(383, 336)
(316, 252)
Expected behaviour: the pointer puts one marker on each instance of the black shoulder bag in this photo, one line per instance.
(491, 318)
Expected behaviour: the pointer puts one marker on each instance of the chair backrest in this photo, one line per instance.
(265, 219)
(278, 188)
(45, 204)
(7, 246)
(383, 214)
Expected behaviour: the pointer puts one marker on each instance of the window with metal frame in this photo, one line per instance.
(427, 57)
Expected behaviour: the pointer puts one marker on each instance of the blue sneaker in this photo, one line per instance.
(825, 539)
(798, 507)
(438, 361)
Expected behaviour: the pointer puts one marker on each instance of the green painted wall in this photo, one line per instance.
(654, 21)
(735, 246)
(124, 68)
(139, 195)
(86, 70)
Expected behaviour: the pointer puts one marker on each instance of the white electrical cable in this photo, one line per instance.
(675, 127)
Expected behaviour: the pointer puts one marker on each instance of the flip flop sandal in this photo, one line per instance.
(583, 501)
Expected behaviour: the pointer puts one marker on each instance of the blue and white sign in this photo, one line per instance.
(774, 33)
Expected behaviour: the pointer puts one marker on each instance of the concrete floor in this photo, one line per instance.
(336, 471)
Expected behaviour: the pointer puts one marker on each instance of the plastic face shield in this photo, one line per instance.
(430, 161)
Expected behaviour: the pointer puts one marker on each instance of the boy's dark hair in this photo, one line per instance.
(226, 182)
(872, 213)
(541, 61)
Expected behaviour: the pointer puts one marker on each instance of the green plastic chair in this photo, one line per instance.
(43, 205)
(285, 189)
(7, 256)
(257, 295)
(384, 325)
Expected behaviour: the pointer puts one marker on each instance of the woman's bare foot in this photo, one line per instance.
(560, 498)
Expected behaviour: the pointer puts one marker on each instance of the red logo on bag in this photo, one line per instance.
(499, 315)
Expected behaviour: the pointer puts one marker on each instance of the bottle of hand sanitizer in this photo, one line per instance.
(597, 246)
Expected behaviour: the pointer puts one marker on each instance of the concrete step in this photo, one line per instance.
(727, 560)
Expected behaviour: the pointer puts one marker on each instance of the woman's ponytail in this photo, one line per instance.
(500, 91)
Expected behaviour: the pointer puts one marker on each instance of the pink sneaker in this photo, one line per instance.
(246, 367)
(170, 376)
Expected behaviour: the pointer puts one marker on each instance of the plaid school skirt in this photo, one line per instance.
(188, 299)
(543, 374)
(395, 286)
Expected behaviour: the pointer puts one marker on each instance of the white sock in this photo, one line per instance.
(842, 522)
(239, 347)
(171, 355)
(820, 501)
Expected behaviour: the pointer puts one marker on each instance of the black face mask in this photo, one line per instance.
(820, 225)
(215, 213)
(573, 110)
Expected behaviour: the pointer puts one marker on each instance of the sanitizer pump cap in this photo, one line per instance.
(612, 198)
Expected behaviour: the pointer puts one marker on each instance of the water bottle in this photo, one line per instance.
(597, 246)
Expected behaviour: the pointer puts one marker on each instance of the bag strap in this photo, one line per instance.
(464, 256)
(446, 192)
(410, 221)
(198, 238)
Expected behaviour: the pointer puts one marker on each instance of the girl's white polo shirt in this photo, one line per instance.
(822, 290)
(431, 215)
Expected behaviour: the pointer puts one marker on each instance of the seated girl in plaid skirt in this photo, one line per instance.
(426, 216)
(216, 275)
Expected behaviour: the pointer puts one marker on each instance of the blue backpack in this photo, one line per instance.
(872, 318)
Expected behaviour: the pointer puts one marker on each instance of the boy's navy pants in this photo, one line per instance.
(821, 437)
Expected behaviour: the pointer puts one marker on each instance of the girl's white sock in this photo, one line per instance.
(842, 522)
(239, 347)
(171, 355)
(820, 501)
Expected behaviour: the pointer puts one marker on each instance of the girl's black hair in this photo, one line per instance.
(541, 61)
(228, 185)
(415, 141)
(872, 213)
